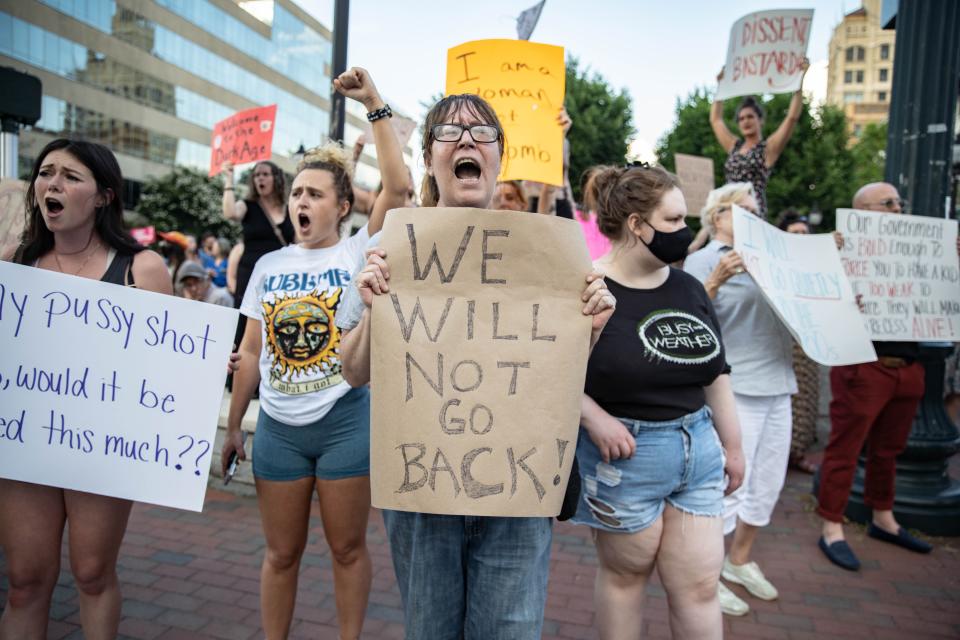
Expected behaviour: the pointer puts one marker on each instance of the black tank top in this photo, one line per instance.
(120, 270)
(259, 237)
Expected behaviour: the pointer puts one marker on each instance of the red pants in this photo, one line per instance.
(871, 404)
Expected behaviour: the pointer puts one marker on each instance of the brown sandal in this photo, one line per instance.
(802, 464)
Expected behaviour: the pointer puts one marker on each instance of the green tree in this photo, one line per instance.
(870, 154)
(815, 170)
(186, 200)
(602, 121)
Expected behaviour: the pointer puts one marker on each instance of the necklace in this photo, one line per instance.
(82, 264)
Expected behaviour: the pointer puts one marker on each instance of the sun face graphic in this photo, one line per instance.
(301, 335)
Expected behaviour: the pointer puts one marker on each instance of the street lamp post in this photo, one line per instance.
(341, 19)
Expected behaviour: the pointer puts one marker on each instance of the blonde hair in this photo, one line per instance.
(721, 197)
(332, 157)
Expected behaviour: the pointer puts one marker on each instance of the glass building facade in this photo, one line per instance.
(152, 86)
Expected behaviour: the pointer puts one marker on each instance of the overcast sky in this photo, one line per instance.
(657, 51)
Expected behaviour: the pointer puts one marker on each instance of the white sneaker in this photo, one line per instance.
(750, 576)
(730, 604)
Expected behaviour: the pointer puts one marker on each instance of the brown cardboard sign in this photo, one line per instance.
(479, 353)
(696, 181)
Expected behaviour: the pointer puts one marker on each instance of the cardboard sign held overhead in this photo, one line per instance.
(696, 181)
(766, 52)
(802, 279)
(246, 136)
(525, 83)
(107, 389)
(906, 268)
(479, 355)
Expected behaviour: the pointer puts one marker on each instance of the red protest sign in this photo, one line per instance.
(246, 136)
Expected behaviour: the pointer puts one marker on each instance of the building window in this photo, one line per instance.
(847, 77)
(861, 54)
(859, 77)
(857, 129)
(849, 54)
(852, 97)
(884, 52)
(881, 96)
(883, 75)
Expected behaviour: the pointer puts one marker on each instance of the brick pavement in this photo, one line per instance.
(188, 575)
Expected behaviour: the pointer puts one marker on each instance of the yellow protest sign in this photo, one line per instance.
(525, 82)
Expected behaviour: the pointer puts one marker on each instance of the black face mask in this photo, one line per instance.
(669, 247)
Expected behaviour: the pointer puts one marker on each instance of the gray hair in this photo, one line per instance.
(725, 196)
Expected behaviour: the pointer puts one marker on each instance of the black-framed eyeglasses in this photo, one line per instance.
(889, 202)
(452, 132)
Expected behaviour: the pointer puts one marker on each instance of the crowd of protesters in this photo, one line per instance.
(699, 445)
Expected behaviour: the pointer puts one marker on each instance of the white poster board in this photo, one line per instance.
(766, 52)
(108, 389)
(802, 278)
(906, 268)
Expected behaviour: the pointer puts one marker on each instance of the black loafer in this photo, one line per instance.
(901, 539)
(840, 554)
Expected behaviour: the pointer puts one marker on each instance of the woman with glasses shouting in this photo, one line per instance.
(467, 577)
(751, 158)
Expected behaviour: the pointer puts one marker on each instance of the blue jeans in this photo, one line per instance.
(679, 462)
(470, 577)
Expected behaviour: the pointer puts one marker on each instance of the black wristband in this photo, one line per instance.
(382, 112)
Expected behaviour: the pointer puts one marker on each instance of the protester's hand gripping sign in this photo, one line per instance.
(525, 83)
(479, 358)
(766, 53)
(907, 270)
(246, 136)
(107, 389)
(802, 279)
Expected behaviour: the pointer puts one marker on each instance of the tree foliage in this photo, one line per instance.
(186, 200)
(602, 121)
(817, 170)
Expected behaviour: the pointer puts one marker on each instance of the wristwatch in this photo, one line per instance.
(382, 112)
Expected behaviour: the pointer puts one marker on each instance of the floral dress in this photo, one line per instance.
(750, 167)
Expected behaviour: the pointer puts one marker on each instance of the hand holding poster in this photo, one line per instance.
(246, 136)
(108, 389)
(696, 181)
(525, 83)
(766, 53)
(479, 358)
(802, 279)
(907, 270)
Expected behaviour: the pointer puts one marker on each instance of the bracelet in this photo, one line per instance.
(382, 112)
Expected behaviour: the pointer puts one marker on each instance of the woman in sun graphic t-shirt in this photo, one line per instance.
(313, 431)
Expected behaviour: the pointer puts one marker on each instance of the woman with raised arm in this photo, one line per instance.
(658, 415)
(468, 577)
(751, 158)
(263, 217)
(74, 225)
(313, 431)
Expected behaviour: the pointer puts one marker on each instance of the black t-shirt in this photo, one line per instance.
(658, 351)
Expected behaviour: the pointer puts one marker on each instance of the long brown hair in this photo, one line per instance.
(37, 239)
(279, 194)
(438, 114)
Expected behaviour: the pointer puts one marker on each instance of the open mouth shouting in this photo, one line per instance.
(303, 223)
(467, 171)
(53, 205)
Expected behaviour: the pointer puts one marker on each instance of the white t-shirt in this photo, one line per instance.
(294, 293)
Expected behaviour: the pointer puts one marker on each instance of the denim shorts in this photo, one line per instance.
(677, 461)
(335, 446)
